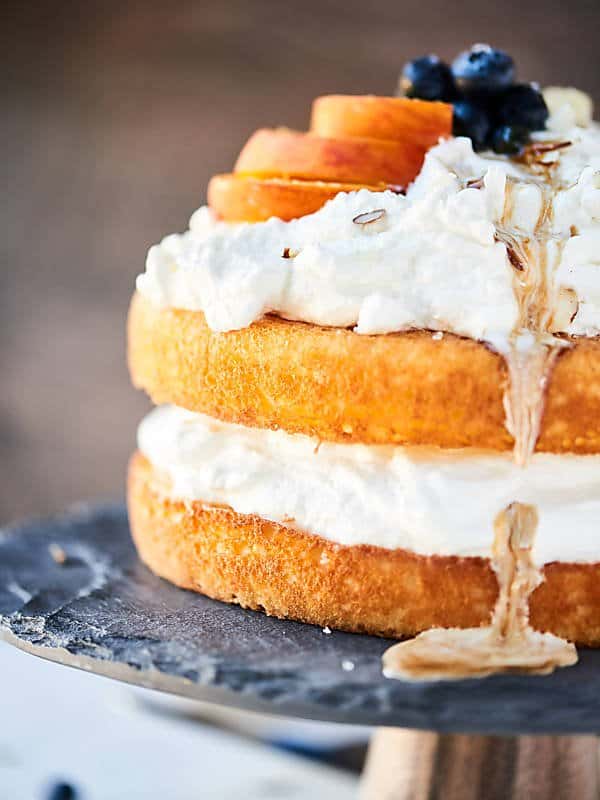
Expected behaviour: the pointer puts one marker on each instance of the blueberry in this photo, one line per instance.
(471, 119)
(523, 105)
(482, 68)
(62, 791)
(427, 78)
(509, 140)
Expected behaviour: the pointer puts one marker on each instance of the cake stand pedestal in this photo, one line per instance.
(72, 591)
(411, 765)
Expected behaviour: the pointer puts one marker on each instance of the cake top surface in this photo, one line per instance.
(446, 253)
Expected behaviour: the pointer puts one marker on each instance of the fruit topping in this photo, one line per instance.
(427, 78)
(576, 104)
(245, 198)
(394, 118)
(510, 140)
(489, 108)
(285, 153)
(483, 68)
(354, 142)
(523, 105)
(471, 119)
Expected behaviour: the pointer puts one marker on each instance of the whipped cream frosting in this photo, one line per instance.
(434, 261)
(429, 501)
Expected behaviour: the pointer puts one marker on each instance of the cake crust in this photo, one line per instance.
(291, 574)
(404, 388)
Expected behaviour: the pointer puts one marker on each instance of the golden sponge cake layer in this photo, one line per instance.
(405, 388)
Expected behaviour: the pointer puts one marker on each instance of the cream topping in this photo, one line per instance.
(434, 261)
(429, 501)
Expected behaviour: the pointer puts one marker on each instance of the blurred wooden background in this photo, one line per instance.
(114, 116)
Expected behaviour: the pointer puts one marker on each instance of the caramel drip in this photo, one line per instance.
(525, 396)
(518, 576)
(533, 349)
(508, 643)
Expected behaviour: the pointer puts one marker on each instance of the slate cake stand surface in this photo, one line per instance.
(103, 611)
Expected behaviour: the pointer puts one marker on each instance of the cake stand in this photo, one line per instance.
(72, 591)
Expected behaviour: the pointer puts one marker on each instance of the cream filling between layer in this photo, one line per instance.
(428, 501)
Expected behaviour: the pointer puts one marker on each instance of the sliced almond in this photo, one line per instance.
(475, 183)
(372, 220)
(566, 310)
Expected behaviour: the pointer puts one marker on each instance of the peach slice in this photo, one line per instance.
(284, 153)
(395, 118)
(244, 198)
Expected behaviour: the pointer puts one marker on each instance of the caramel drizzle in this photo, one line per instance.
(529, 366)
(508, 643)
(517, 574)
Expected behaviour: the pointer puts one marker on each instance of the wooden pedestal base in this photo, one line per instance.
(412, 765)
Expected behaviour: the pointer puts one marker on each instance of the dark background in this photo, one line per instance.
(114, 116)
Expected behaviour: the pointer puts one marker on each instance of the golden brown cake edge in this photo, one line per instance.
(405, 388)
